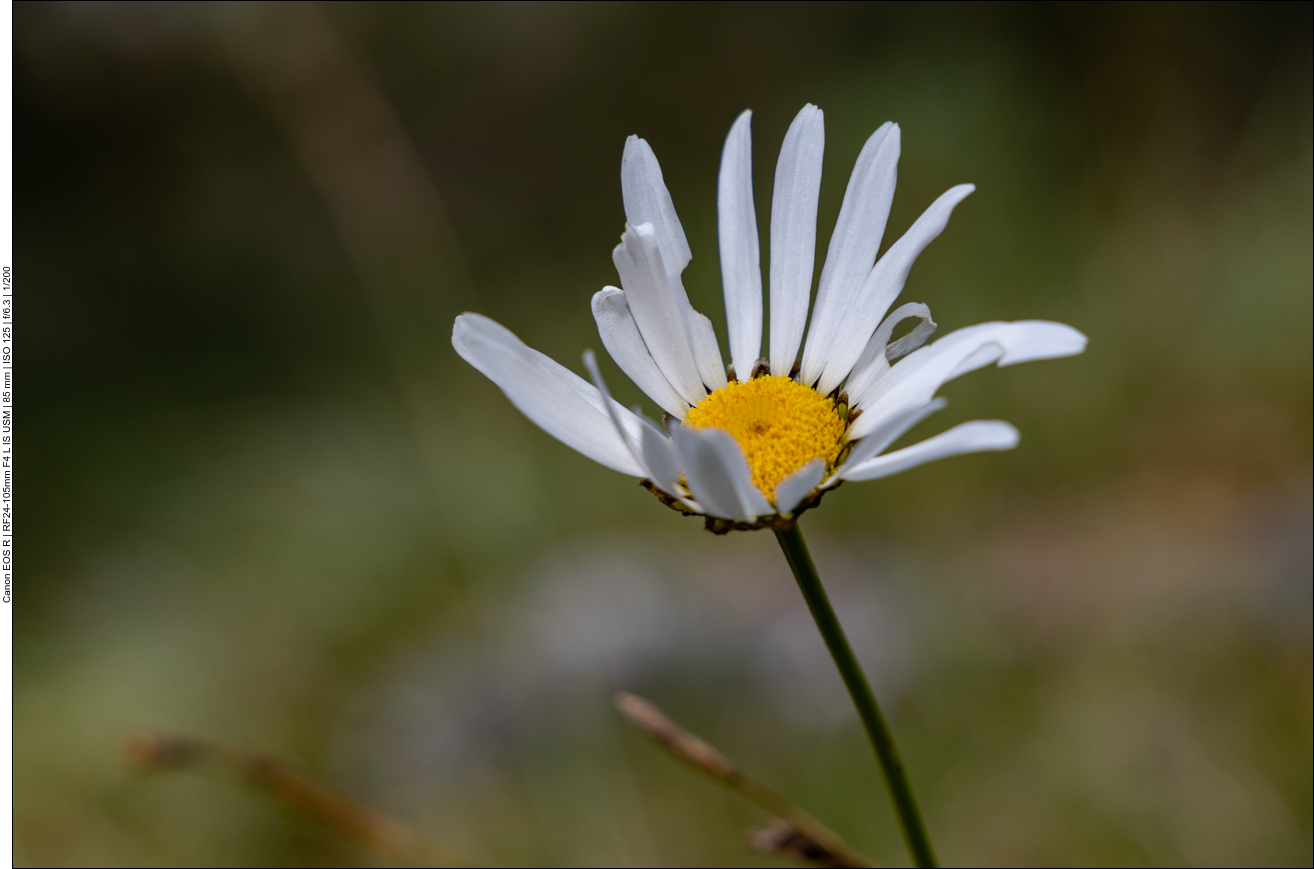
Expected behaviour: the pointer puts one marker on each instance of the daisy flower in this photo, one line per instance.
(755, 444)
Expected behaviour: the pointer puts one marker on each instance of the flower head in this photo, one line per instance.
(756, 445)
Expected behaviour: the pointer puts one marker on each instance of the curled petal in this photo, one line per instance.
(880, 353)
(913, 380)
(883, 286)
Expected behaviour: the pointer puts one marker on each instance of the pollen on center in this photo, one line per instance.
(780, 425)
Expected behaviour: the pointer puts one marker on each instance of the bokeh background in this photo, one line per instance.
(264, 502)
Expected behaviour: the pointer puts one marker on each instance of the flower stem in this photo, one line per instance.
(896, 779)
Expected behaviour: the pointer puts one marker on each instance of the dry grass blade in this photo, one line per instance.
(154, 752)
(792, 833)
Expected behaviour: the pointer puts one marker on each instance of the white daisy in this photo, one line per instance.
(755, 446)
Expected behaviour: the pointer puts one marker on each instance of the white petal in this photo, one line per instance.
(1040, 339)
(718, 474)
(741, 258)
(614, 411)
(796, 486)
(970, 437)
(659, 455)
(889, 431)
(620, 335)
(883, 286)
(914, 379)
(751, 499)
(707, 353)
(554, 398)
(648, 201)
(794, 234)
(707, 478)
(980, 358)
(656, 309)
(662, 461)
(853, 245)
(916, 337)
(876, 358)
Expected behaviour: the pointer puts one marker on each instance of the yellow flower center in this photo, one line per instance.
(780, 424)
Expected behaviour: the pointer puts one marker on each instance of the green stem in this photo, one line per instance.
(910, 819)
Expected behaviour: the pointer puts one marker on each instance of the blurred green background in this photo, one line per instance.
(264, 502)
